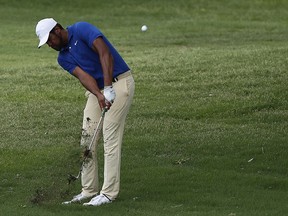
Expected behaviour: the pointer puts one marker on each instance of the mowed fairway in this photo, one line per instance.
(207, 132)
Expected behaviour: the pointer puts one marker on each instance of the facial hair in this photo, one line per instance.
(61, 44)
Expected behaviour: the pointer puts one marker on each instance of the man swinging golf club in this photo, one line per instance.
(87, 54)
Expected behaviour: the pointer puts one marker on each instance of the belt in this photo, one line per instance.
(121, 76)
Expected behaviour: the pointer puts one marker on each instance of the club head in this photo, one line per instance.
(71, 178)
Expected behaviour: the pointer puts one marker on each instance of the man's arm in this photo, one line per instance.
(106, 60)
(91, 85)
(107, 63)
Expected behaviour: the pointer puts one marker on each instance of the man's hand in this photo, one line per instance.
(90, 84)
(109, 94)
(102, 101)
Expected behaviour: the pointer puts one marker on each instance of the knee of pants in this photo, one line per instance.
(112, 136)
(87, 131)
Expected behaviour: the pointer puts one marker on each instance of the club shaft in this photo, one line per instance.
(95, 134)
(98, 129)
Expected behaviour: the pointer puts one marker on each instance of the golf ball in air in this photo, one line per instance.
(144, 28)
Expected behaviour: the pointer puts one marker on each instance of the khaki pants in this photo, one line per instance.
(113, 128)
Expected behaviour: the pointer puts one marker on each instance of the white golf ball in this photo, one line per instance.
(144, 28)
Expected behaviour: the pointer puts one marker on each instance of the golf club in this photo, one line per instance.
(72, 178)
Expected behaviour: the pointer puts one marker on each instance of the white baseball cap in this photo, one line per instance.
(43, 29)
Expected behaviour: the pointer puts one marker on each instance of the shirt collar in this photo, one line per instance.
(69, 38)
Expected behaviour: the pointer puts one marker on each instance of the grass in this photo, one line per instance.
(207, 131)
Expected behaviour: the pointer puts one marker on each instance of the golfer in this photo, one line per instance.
(87, 54)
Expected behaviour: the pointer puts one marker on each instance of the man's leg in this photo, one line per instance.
(89, 177)
(113, 133)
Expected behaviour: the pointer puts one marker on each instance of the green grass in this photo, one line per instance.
(207, 131)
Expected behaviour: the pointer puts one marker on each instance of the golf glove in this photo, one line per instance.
(109, 94)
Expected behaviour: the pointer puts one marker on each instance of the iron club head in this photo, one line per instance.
(72, 178)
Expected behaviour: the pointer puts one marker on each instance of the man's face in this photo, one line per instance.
(55, 41)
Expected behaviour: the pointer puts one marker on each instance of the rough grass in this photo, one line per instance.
(207, 131)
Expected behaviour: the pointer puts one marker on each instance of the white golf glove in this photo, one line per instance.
(109, 94)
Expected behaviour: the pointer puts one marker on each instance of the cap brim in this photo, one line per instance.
(43, 40)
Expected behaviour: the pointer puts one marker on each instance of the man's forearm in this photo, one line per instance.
(106, 60)
(107, 68)
(87, 81)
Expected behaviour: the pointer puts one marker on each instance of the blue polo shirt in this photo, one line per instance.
(79, 52)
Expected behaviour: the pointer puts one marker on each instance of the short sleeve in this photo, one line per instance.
(66, 64)
(87, 32)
